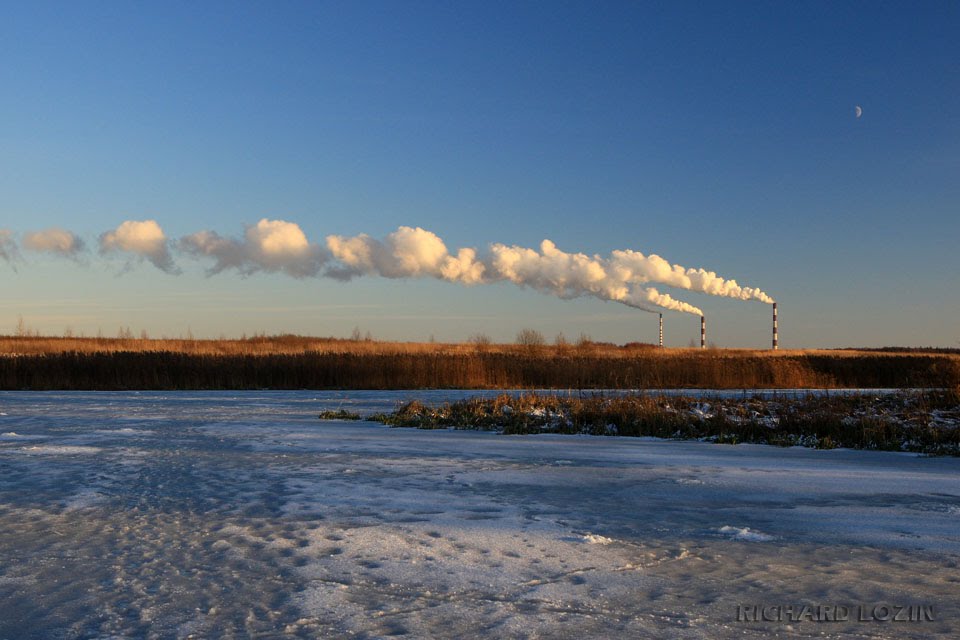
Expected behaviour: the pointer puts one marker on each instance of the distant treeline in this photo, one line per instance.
(518, 368)
(905, 349)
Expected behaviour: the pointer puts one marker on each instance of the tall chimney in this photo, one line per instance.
(703, 332)
(775, 340)
(661, 331)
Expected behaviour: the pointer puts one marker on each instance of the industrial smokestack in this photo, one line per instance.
(703, 332)
(775, 339)
(661, 331)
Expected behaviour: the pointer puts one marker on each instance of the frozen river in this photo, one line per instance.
(226, 514)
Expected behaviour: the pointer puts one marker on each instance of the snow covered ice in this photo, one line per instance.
(226, 514)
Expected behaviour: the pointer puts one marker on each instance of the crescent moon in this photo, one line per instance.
(858, 110)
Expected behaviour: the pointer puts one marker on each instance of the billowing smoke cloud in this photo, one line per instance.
(143, 239)
(8, 248)
(625, 276)
(633, 266)
(57, 241)
(622, 277)
(269, 245)
(406, 253)
(569, 275)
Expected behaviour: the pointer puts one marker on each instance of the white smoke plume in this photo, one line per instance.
(625, 276)
(144, 239)
(408, 252)
(622, 277)
(8, 248)
(633, 266)
(269, 245)
(412, 252)
(56, 241)
(569, 275)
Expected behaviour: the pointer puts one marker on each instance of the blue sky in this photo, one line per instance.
(717, 135)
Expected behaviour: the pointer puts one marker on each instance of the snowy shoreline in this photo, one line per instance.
(926, 422)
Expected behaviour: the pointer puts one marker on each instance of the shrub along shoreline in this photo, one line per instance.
(926, 422)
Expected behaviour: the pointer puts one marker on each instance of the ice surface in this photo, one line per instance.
(225, 514)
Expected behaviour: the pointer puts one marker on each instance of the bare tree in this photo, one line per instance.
(585, 344)
(480, 341)
(530, 338)
(561, 343)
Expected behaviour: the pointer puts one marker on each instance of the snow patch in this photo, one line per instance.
(745, 534)
(13, 435)
(60, 450)
(126, 431)
(84, 499)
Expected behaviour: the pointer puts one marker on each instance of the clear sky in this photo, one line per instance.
(721, 136)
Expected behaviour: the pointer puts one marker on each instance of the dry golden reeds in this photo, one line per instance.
(298, 362)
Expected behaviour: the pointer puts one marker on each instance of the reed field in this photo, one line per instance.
(298, 362)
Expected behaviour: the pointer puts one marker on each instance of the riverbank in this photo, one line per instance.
(926, 422)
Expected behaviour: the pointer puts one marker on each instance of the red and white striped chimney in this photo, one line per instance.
(661, 331)
(775, 338)
(703, 332)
